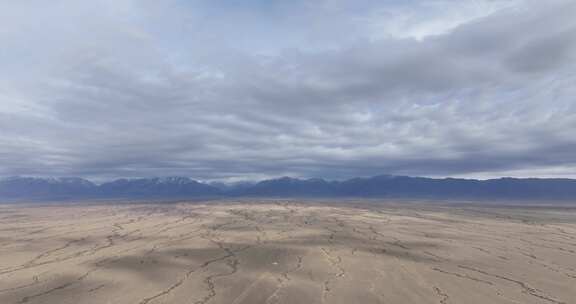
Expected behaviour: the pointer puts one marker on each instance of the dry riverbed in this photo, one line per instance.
(281, 251)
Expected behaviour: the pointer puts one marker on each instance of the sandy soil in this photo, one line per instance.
(286, 252)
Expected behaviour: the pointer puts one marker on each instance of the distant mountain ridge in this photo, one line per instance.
(372, 187)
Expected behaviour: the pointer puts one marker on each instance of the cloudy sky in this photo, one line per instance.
(250, 89)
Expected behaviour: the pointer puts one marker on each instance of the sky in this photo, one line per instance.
(253, 89)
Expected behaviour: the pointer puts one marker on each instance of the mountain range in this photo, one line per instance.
(33, 188)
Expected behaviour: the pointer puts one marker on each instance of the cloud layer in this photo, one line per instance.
(251, 89)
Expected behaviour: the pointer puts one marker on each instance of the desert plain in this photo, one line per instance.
(286, 251)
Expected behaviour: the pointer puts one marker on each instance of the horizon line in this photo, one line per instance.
(98, 181)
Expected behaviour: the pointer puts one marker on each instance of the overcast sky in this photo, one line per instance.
(250, 89)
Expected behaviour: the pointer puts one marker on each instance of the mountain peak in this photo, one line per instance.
(377, 186)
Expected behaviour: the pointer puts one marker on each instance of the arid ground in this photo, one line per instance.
(280, 251)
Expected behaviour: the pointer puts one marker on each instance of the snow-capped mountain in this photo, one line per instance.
(378, 186)
(166, 186)
(33, 187)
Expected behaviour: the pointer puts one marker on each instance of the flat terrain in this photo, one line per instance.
(282, 251)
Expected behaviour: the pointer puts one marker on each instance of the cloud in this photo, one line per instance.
(223, 90)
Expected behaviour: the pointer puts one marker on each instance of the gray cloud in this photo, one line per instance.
(117, 96)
